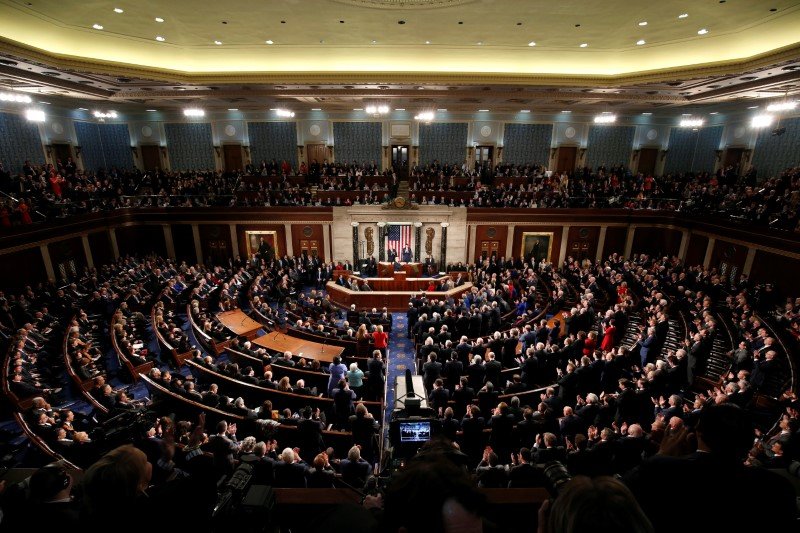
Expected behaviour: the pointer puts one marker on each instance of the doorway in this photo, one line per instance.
(489, 249)
(484, 155)
(232, 157)
(400, 160)
(151, 158)
(62, 152)
(565, 160)
(733, 158)
(647, 161)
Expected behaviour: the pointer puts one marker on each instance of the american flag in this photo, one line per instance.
(398, 237)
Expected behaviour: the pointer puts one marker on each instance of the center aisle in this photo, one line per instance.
(401, 356)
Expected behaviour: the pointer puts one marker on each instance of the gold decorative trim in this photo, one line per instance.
(721, 68)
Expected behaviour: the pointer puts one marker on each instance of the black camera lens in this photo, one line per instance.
(557, 475)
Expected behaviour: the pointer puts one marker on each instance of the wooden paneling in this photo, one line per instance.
(777, 269)
(555, 247)
(67, 256)
(215, 242)
(100, 244)
(22, 268)
(308, 236)
(656, 241)
(280, 233)
(141, 240)
(615, 240)
(183, 240)
(491, 232)
(696, 251)
(151, 157)
(582, 242)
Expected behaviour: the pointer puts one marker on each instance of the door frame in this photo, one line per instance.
(241, 152)
(639, 156)
(406, 145)
(574, 162)
(158, 151)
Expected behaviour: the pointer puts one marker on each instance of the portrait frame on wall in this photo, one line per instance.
(538, 244)
(253, 239)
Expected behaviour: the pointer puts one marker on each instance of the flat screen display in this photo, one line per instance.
(415, 431)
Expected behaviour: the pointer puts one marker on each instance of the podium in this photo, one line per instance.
(386, 270)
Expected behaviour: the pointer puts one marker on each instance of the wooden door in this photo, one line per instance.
(232, 157)
(489, 249)
(316, 151)
(647, 161)
(733, 158)
(151, 157)
(400, 160)
(484, 156)
(63, 152)
(565, 160)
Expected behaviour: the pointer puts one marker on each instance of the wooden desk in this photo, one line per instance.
(239, 323)
(280, 342)
(386, 270)
(391, 300)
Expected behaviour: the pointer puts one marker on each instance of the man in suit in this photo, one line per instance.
(431, 371)
(407, 256)
(391, 255)
(439, 397)
(547, 449)
(224, 445)
(375, 371)
(523, 474)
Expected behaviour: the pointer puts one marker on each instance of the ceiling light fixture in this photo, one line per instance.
(105, 114)
(427, 42)
(683, 15)
(480, 43)
(782, 106)
(400, 109)
(358, 109)
(285, 113)
(762, 121)
(160, 38)
(376, 109)
(566, 111)
(97, 26)
(640, 42)
(753, 107)
(425, 116)
(233, 109)
(714, 113)
(532, 43)
(374, 41)
(152, 110)
(525, 111)
(605, 119)
(159, 19)
(483, 110)
(218, 43)
(118, 10)
(316, 109)
(702, 31)
(15, 97)
(82, 109)
(643, 23)
(34, 115)
(691, 122)
(584, 45)
(194, 112)
(269, 41)
(442, 110)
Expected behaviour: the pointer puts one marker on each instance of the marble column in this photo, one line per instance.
(48, 263)
(562, 254)
(629, 241)
(510, 241)
(168, 240)
(601, 242)
(684, 245)
(443, 253)
(473, 233)
(418, 239)
(381, 241)
(287, 228)
(198, 249)
(234, 241)
(326, 242)
(748, 262)
(87, 251)
(112, 236)
(709, 250)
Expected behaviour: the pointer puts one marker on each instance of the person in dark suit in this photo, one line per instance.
(462, 396)
(407, 256)
(309, 433)
(523, 474)
(322, 475)
(491, 474)
(493, 369)
(439, 397)
(453, 369)
(391, 255)
(376, 373)
(724, 436)
(290, 471)
(354, 469)
(547, 449)
(364, 427)
(472, 426)
(431, 371)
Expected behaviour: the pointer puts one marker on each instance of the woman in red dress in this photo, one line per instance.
(590, 344)
(380, 339)
(608, 337)
(622, 292)
(24, 213)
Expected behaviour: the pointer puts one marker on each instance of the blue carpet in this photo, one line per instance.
(401, 356)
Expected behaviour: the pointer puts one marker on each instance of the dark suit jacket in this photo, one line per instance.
(525, 476)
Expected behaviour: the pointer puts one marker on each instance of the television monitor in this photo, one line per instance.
(415, 431)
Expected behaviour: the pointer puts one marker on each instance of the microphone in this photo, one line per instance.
(324, 342)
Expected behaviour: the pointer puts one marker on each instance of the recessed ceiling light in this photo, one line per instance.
(45, 103)
(640, 42)
(152, 110)
(118, 10)
(646, 113)
(686, 114)
(358, 109)
(566, 111)
(683, 15)
(97, 26)
(217, 42)
(702, 31)
(532, 43)
(753, 107)
(82, 109)
(233, 109)
(400, 109)
(442, 110)
(427, 42)
(160, 39)
(316, 109)
(270, 41)
(525, 111)
(714, 113)
(584, 45)
(480, 43)
(643, 23)
(483, 110)
(374, 41)
(159, 19)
